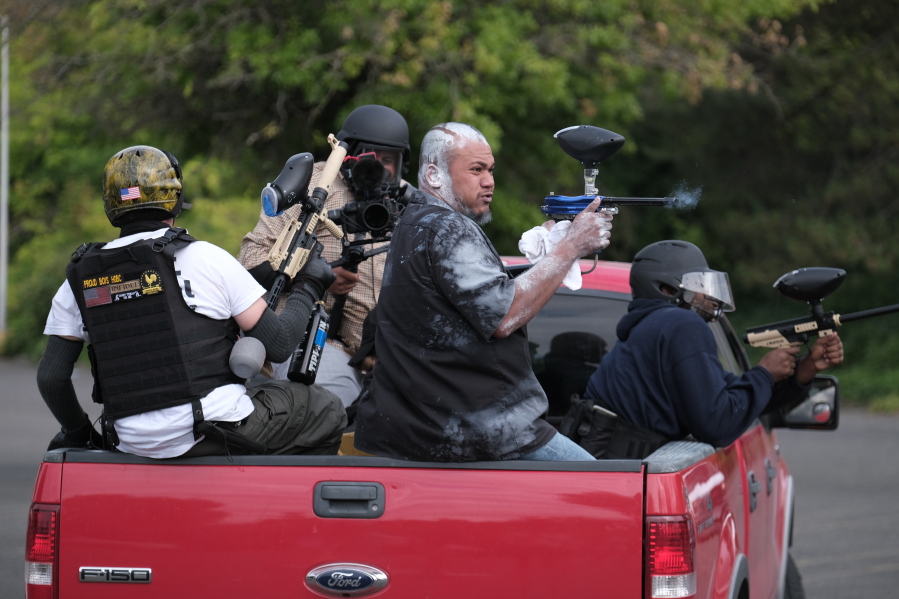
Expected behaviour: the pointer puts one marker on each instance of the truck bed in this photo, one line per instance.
(260, 524)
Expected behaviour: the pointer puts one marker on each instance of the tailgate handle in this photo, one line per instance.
(349, 493)
(754, 488)
(342, 499)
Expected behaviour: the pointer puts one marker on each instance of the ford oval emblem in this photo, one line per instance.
(346, 580)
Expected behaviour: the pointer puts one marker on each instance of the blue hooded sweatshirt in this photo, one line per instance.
(664, 375)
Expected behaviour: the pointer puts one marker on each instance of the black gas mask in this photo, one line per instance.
(376, 207)
(367, 176)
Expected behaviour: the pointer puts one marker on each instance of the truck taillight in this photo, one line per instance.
(42, 552)
(670, 547)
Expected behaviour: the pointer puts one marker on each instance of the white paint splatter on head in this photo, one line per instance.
(436, 153)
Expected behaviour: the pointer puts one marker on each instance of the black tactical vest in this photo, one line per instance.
(149, 350)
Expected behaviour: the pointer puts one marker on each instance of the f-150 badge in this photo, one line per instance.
(138, 575)
(346, 580)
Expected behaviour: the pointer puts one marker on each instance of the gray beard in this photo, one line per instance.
(479, 219)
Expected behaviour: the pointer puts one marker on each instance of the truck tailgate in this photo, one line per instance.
(245, 529)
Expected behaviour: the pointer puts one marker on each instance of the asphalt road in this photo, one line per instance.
(846, 535)
(26, 428)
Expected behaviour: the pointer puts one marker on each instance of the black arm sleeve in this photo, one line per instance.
(264, 274)
(280, 334)
(54, 381)
(787, 394)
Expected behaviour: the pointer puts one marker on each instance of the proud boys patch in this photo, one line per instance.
(104, 290)
(150, 282)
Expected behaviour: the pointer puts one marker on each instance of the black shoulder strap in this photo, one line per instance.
(83, 249)
(196, 409)
(171, 241)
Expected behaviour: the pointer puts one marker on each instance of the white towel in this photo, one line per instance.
(539, 241)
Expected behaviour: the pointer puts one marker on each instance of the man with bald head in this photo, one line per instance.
(454, 380)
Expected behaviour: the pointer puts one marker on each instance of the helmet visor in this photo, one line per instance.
(391, 158)
(713, 284)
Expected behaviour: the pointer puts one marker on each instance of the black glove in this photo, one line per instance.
(85, 436)
(316, 276)
(405, 193)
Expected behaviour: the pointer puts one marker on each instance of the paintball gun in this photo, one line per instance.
(592, 145)
(810, 285)
(297, 244)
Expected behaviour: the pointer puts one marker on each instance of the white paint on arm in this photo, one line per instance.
(534, 289)
(589, 232)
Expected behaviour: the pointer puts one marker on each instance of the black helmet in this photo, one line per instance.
(681, 266)
(383, 131)
(142, 182)
(375, 127)
(664, 263)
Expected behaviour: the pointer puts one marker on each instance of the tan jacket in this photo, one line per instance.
(256, 245)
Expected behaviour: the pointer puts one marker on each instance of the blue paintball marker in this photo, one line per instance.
(590, 146)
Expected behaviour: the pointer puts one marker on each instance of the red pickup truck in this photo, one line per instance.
(690, 520)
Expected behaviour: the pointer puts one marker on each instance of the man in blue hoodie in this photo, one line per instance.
(664, 375)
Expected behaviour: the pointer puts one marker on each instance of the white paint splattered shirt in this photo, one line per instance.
(445, 389)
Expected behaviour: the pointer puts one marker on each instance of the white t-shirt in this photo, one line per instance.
(214, 284)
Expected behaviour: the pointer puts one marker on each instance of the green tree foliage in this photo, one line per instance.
(776, 112)
(234, 87)
(802, 173)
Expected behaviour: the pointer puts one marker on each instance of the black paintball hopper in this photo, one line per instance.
(588, 144)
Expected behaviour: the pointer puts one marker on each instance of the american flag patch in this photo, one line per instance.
(132, 193)
(97, 296)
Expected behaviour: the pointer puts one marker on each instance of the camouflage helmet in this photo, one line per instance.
(142, 182)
